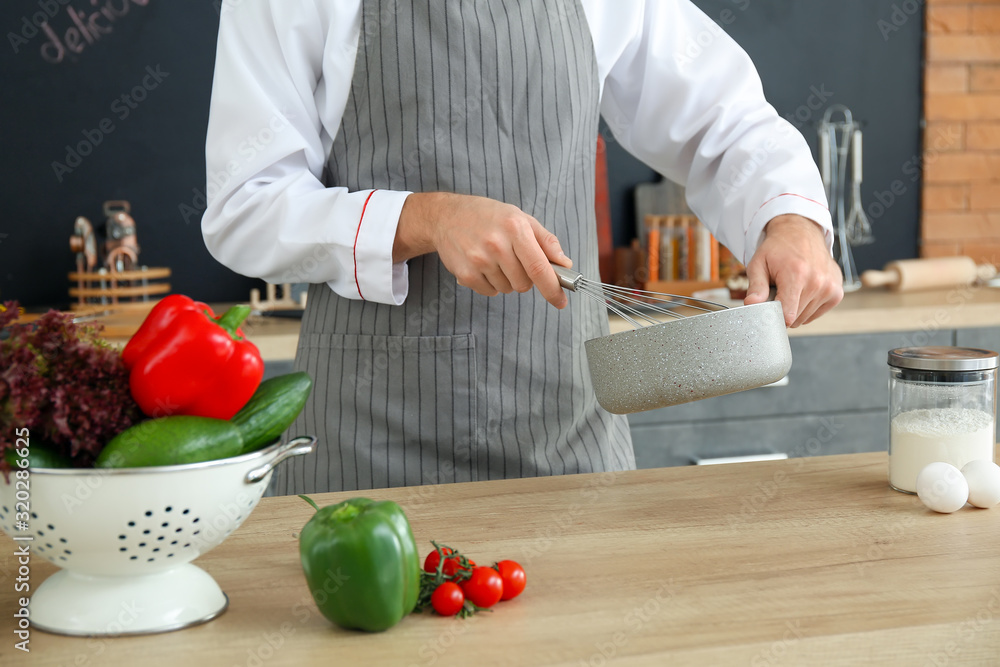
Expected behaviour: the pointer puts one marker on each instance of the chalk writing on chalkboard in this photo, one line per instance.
(71, 31)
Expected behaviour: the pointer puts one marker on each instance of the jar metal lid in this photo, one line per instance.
(943, 358)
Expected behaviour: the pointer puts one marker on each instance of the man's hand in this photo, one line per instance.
(793, 256)
(489, 246)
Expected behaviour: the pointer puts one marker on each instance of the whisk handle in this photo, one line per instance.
(568, 278)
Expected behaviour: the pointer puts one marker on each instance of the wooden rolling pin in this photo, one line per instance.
(906, 275)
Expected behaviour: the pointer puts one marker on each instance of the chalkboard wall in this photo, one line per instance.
(109, 100)
(124, 118)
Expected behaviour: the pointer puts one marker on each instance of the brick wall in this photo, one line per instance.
(961, 189)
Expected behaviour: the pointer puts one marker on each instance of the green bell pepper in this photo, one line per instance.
(361, 563)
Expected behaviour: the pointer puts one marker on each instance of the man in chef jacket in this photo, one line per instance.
(422, 163)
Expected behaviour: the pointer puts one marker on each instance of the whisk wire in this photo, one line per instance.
(637, 307)
(655, 299)
(634, 316)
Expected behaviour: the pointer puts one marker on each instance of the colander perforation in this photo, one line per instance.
(54, 547)
(147, 538)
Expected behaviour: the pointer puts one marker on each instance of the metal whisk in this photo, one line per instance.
(637, 307)
(837, 141)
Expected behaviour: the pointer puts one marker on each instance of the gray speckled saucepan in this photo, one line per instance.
(689, 359)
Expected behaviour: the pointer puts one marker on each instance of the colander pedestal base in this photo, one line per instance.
(69, 603)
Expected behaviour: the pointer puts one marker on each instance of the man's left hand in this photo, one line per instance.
(793, 256)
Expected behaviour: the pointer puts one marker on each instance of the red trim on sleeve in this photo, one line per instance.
(356, 235)
(792, 194)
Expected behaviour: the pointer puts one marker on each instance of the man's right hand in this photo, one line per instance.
(489, 246)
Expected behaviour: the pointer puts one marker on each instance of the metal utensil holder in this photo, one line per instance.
(839, 145)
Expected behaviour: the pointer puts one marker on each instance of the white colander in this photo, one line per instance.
(125, 539)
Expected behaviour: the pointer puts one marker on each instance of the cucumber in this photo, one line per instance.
(38, 457)
(171, 441)
(272, 409)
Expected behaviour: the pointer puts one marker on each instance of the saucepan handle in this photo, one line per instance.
(295, 447)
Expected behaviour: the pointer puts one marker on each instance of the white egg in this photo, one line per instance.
(942, 487)
(984, 483)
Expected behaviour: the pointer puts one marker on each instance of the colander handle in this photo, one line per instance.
(295, 447)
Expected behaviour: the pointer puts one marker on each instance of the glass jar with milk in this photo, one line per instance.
(942, 407)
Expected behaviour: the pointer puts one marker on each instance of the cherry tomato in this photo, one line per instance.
(513, 578)
(448, 599)
(433, 558)
(451, 565)
(484, 587)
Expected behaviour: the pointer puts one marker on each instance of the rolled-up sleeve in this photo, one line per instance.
(282, 77)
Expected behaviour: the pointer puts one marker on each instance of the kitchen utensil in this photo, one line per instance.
(859, 229)
(83, 242)
(907, 275)
(125, 538)
(635, 306)
(718, 351)
(835, 144)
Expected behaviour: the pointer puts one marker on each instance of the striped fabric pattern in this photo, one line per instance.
(497, 98)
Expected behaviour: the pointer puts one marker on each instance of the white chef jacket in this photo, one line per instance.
(676, 91)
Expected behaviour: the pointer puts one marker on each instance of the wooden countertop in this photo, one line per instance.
(795, 562)
(275, 337)
(874, 310)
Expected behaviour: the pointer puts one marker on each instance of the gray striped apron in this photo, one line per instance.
(497, 98)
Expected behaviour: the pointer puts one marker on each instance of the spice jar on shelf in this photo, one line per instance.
(942, 407)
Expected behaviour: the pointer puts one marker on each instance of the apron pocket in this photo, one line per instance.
(397, 410)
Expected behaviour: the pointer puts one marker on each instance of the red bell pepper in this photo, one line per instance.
(184, 360)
